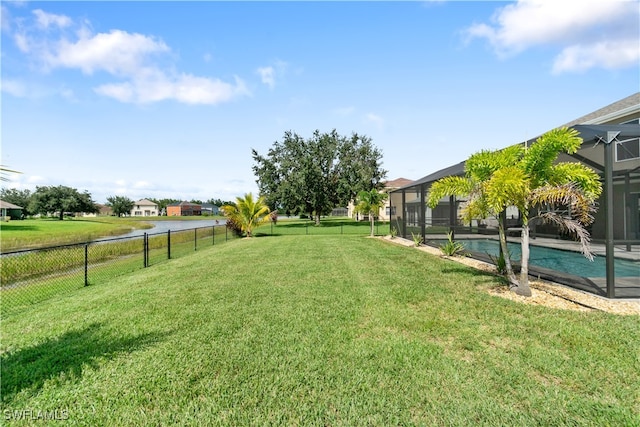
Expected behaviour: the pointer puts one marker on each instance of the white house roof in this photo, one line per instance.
(145, 202)
(7, 205)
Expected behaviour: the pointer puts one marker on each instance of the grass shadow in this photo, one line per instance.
(70, 353)
(19, 227)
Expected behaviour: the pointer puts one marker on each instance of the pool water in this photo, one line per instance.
(554, 259)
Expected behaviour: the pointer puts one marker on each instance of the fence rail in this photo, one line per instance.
(34, 275)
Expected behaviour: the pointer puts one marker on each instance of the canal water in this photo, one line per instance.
(164, 226)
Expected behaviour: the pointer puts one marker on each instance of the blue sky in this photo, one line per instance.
(167, 99)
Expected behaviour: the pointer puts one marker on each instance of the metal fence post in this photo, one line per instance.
(226, 234)
(213, 235)
(195, 239)
(145, 242)
(168, 244)
(86, 264)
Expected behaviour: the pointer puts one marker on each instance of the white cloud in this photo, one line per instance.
(131, 57)
(608, 55)
(267, 75)
(14, 87)
(271, 73)
(117, 52)
(375, 119)
(591, 33)
(185, 88)
(46, 20)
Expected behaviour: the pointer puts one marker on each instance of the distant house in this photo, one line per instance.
(209, 209)
(184, 209)
(104, 210)
(386, 211)
(145, 207)
(10, 211)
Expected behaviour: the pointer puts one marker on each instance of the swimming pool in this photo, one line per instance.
(569, 262)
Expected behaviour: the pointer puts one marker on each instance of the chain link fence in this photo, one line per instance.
(32, 276)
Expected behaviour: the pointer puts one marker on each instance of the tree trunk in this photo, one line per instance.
(372, 220)
(524, 288)
(317, 220)
(502, 237)
(61, 214)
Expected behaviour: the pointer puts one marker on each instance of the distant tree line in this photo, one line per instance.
(60, 200)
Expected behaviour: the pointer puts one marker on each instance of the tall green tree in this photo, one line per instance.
(20, 198)
(121, 205)
(369, 203)
(61, 199)
(541, 188)
(247, 213)
(317, 174)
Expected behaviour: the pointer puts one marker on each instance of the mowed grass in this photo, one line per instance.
(35, 233)
(316, 330)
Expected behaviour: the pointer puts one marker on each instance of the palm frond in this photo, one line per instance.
(508, 186)
(572, 227)
(449, 186)
(584, 177)
(580, 206)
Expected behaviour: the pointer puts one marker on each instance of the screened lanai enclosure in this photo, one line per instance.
(613, 151)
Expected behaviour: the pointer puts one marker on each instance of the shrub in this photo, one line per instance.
(451, 247)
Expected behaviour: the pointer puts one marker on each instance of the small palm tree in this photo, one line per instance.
(530, 179)
(248, 213)
(369, 203)
(479, 169)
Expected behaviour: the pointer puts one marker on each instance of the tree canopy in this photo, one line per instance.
(59, 200)
(317, 174)
(20, 198)
(121, 205)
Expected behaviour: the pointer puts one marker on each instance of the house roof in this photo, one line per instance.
(184, 203)
(457, 169)
(145, 202)
(7, 205)
(397, 183)
(621, 108)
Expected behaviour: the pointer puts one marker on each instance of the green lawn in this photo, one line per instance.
(315, 330)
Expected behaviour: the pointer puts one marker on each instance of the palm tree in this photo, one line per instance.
(247, 213)
(527, 178)
(562, 193)
(369, 203)
(478, 171)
